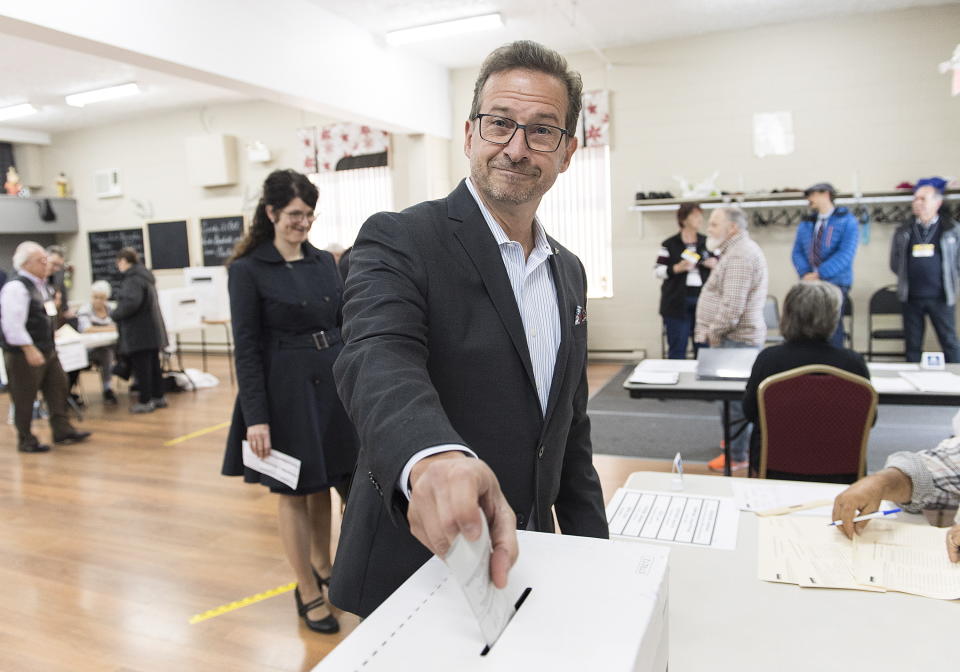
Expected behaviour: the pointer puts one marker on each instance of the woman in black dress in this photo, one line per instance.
(285, 299)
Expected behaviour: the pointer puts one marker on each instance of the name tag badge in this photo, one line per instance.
(923, 250)
(690, 255)
(50, 307)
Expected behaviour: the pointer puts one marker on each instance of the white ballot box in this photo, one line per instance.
(209, 283)
(593, 605)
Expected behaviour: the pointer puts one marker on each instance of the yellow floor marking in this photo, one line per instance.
(193, 435)
(247, 601)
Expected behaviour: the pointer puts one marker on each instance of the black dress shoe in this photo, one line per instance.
(72, 437)
(326, 626)
(33, 447)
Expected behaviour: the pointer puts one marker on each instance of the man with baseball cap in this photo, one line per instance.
(826, 244)
(925, 255)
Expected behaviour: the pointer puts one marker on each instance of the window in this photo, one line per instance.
(347, 199)
(576, 212)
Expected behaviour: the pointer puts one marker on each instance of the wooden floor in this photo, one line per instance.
(108, 548)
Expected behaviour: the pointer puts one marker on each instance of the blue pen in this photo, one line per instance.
(869, 516)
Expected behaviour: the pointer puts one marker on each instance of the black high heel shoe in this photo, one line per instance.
(326, 626)
(321, 582)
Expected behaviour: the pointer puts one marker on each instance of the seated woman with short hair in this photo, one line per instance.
(811, 311)
(95, 316)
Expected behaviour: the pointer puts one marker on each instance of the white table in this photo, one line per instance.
(722, 617)
(73, 350)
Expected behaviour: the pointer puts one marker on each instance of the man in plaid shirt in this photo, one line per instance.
(730, 309)
(929, 479)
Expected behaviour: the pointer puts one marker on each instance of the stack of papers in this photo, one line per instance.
(933, 381)
(888, 555)
(654, 377)
(891, 384)
(661, 371)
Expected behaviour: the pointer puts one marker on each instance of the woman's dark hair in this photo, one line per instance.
(129, 255)
(280, 187)
(685, 210)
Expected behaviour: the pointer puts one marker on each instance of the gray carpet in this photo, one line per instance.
(658, 429)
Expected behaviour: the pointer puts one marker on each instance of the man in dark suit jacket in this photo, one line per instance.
(464, 368)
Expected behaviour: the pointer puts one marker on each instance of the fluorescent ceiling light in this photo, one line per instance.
(99, 95)
(435, 31)
(17, 111)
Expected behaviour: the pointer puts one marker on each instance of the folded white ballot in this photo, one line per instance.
(469, 562)
(593, 604)
(280, 466)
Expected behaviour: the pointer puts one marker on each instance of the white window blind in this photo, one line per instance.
(347, 199)
(576, 212)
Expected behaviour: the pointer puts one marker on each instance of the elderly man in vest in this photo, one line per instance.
(27, 312)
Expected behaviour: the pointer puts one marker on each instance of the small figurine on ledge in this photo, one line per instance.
(12, 185)
(63, 187)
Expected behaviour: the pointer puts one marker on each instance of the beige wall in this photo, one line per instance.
(866, 98)
(150, 154)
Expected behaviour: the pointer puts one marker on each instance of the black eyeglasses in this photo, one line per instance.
(539, 137)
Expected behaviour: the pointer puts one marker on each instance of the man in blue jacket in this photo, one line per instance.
(826, 244)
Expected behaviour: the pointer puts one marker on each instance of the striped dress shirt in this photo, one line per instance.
(536, 296)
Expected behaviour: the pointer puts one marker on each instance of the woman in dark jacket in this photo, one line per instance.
(285, 299)
(140, 330)
(684, 266)
(811, 311)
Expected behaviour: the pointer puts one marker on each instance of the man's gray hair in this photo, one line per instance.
(735, 215)
(528, 55)
(23, 252)
(811, 311)
(57, 249)
(101, 287)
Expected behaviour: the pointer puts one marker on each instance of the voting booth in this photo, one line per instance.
(180, 308)
(209, 285)
(593, 604)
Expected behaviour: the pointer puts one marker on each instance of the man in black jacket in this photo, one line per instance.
(464, 368)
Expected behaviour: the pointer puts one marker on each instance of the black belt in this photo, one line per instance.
(320, 340)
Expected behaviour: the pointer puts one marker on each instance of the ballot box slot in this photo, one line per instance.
(516, 607)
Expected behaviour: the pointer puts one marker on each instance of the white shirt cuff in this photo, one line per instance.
(404, 483)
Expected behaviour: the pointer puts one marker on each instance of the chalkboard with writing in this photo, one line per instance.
(168, 244)
(219, 235)
(104, 246)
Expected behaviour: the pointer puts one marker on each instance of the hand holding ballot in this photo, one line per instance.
(449, 492)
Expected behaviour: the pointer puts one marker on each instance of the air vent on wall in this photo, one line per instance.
(107, 183)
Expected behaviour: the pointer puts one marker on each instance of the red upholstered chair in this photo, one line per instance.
(814, 423)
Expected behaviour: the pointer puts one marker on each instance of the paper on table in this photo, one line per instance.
(654, 377)
(892, 366)
(677, 365)
(755, 497)
(806, 552)
(469, 562)
(675, 518)
(280, 466)
(891, 384)
(934, 381)
(906, 558)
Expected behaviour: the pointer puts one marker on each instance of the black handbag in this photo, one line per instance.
(122, 368)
